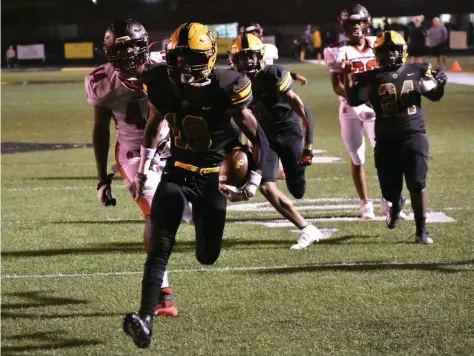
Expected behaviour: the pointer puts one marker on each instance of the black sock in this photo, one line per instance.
(420, 223)
(155, 267)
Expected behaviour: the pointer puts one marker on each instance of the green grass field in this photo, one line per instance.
(71, 268)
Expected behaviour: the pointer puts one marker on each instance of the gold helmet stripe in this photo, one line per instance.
(285, 83)
(242, 94)
(183, 39)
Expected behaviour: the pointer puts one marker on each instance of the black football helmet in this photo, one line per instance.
(355, 21)
(126, 46)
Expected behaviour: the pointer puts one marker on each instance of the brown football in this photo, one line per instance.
(235, 168)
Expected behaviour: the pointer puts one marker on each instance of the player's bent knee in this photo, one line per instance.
(358, 158)
(267, 188)
(208, 257)
(296, 186)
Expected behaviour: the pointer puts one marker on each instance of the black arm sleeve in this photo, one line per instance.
(293, 75)
(310, 116)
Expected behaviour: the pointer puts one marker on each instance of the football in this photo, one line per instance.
(235, 167)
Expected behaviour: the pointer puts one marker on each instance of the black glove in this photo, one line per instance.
(440, 76)
(104, 192)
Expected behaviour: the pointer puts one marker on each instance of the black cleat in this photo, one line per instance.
(393, 215)
(422, 237)
(139, 329)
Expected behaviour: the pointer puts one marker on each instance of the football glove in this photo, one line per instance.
(234, 194)
(440, 76)
(104, 192)
(137, 186)
(306, 158)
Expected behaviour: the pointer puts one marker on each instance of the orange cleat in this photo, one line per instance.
(166, 305)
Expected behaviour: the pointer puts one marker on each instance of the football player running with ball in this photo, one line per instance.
(197, 101)
(401, 150)
(359, 120)
(115, 91)
(280, 112)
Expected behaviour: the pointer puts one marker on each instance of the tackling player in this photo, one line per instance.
(279, 110)
(402, 147)
(355, 121)
(197, 100)
(116, 92)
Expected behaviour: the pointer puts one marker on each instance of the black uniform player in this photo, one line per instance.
(194, 99)
(401, 148)
(280, 112)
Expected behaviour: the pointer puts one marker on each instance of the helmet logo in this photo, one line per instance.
(203, 39)
(122, 39)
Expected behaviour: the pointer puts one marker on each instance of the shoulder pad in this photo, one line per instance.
(98, 85)
(334, 45)
(278, 76)
(236, 85)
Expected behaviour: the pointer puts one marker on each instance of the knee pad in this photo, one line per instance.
(416, 184)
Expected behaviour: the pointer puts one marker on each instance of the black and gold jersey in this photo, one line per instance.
(396, 98)
(199, 117)
(270, 109)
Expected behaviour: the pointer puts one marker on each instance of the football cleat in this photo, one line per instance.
(422, 237)
(166, 305)
(385, 208)
(139, 329)
(367, 211)
(393, 216)
(309, 234)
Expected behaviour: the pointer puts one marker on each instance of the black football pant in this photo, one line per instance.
(397, 159)
(287, 145)
(178, 186)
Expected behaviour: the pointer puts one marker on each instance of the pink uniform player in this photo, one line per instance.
(116, 92)
(355, 121)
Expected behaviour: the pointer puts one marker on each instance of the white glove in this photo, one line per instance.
(104, 192)
(234, 194)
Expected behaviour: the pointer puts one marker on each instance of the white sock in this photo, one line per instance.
(165, 283)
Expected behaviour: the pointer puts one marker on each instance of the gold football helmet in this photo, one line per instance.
(246, 54)
(390, 49)
(191, 54)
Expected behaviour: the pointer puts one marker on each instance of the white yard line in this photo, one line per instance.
(436, 217)
(230, 269)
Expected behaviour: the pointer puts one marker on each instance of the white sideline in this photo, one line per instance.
(227, 269)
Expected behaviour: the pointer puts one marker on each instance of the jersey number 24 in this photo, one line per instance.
(389, 98)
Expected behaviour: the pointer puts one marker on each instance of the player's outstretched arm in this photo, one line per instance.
(101, 142)
(148, 149)
(432, 84)
(299, 78)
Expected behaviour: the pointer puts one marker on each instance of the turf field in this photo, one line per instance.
(71, 268)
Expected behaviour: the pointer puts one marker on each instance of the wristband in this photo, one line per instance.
(254, 178)
(148, 153)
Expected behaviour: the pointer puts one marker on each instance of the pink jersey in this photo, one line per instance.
(362, 58)
(128, 103)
